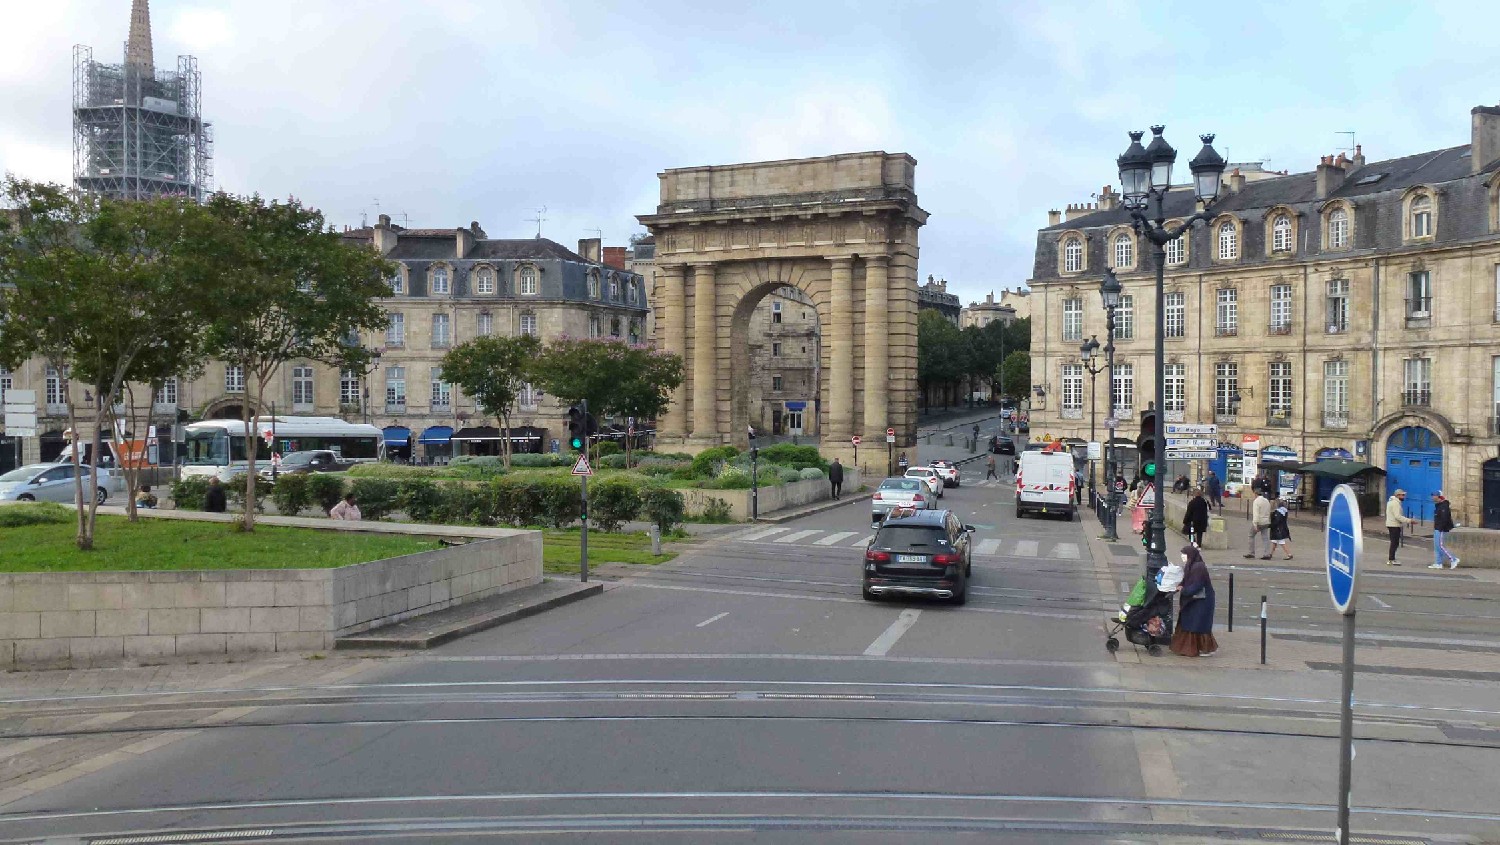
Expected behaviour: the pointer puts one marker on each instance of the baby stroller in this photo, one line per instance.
(1146, 620)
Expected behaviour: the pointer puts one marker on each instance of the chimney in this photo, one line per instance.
(1236, 181)
(591, 249)
(1108, 199)
(1359, 156)
(465, 241)
(1054, 217)
(385, 236)
(1329, 177)
(989, 298)
(1079, 209)
(1485, 146)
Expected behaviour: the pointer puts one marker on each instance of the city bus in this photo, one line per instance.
(217, 447)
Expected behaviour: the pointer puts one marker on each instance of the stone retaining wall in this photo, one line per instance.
(75, 619)
(789, 495)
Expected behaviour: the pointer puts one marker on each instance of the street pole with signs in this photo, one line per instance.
(890, 451)
(854, 441)
(1343, 541)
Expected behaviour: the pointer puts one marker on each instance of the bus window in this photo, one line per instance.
(206, 448)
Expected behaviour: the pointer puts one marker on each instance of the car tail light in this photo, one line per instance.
(879, 557)
(918, 498)
(944, 560)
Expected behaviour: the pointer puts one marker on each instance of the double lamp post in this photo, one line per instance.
(1145, 179)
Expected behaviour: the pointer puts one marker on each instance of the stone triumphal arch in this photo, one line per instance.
(843, 230)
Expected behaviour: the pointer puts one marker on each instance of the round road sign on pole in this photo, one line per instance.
(854, 440)
(1342, 543)
(890, 435)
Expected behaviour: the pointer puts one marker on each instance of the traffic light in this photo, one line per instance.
(577, 429)
(1146, 446)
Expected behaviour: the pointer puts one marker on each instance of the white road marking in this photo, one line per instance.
(834, 538)
(987, 547)
(1383, 605)
(888, 638)
(1027, 548)
(864, 541)
(797, 535)
(1068, 551)
(712, 619)
(761, 535)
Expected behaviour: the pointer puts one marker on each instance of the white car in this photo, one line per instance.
(900, 494)
(929, 475)
(948, 471)
(53, 483)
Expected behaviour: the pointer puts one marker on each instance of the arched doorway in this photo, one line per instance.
(776, 363)
(1491, 493)
(1414, 463)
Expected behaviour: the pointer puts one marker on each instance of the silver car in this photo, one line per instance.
(900, 493)
(52, 483)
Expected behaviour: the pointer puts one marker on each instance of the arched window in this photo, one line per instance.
(527, 286)
(593, 284)
(1124, 252)
(1281, 233)
(1177, 250)
(486, 282)
(614, 288)
(439, 280)
(1229, 241)
(1073, 255)
(1338, 229)
(1421, 216)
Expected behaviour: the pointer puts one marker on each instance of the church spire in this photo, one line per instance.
(138, 48)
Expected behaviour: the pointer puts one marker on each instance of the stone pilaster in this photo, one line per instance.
(877, 351)
(705, 353)
(841, 351)
(673, 328)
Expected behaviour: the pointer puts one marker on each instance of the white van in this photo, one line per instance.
(1045, 484)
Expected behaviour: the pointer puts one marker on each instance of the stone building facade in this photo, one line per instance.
(454, 285)
(784, 381)
(934, 296)
(1354, 311)
(981, 314)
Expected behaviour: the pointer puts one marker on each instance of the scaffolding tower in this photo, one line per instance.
(138, 132)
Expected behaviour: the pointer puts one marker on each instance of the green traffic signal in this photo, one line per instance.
(1149, 469)
(576, 444)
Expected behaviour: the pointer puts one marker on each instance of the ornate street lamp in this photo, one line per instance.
(1110, 291)
(1087, 353)
(1146, 177)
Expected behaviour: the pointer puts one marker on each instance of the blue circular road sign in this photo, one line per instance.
(1342, 542)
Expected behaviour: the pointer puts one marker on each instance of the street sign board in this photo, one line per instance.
(854, 440)
(1192, 430)
(1342, 543)
(1111, 423)
(1191, 442)
(1191, 454)
(582, 467)
(890, 435)
(20, 413)
(1096, 450)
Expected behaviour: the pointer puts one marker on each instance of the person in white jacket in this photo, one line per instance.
(346, 509)
(1395, 520)
(1260, 525)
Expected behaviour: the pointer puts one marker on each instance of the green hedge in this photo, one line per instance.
(290, 494)
(393, 471)
(796, 457)
(325, 489)
(605, 448)
(704, 462)
(35, 513)
(376, 497)
(188, 493)
(534, 461)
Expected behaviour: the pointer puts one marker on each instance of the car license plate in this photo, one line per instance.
(911, 558)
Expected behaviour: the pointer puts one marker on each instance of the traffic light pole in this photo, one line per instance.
(583, 518)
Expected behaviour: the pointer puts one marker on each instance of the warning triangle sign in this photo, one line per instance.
(582, 467)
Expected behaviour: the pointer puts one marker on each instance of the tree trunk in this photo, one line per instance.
(503, 418)
(252, 433)
(92, 491)
(84, 541)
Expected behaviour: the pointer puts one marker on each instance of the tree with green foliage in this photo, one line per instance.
(941, 356)
(492, 370)
(1016, 373)
(299, 292)
(613, 376)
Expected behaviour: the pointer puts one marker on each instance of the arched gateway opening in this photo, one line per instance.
(841, 230)
(776, 364)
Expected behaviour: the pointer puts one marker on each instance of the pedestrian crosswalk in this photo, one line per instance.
(987, 547)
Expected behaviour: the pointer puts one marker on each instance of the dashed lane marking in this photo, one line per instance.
(712, 619)
(888, 638)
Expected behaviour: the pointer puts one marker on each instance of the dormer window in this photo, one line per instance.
(629, 293)
(593, 284)
(1073, 255)
(1229, 241)
(527, 285)
(440, 281)
(1421, 217)
(485, 282)
(1124, 252)
(614, 289)
(1281, 233)
(1177, 250)
(1338, 229)
(398, 282)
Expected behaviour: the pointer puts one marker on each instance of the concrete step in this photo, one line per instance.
(436, 628)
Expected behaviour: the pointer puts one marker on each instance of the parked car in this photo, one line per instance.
(948, 471)
(929, 475)
(1002, 445)
(927, 553)
(900, 493)
(307, 462)
(54, 483)
(1045, 484)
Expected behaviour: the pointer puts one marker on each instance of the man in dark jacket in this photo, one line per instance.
(1195, 521)
(1442, 523)
(1215, 490)
(836, 476)
(213, 501)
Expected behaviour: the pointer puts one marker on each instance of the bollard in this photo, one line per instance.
(950, 440)
(1262, 630)
(1231, 601)
(656, 541)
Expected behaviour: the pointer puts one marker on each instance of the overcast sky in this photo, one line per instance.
(456, 110)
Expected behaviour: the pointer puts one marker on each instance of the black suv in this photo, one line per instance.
(926, 553)
(1002, 445)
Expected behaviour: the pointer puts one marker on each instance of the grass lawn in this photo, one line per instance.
(169, 544)
(560, 550)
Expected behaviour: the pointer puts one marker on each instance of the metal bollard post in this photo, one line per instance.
(1262, 630)
(1231, 601)
(656, 541)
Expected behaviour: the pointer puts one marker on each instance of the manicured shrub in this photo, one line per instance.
(716, 510)
(663, 507)
(614, 502)
(420, 499)
(533, 461)
(376, 497)
(811, 473)
(560, 501)
(392, 471)
(658, 470)
(482, 461)
(703, 462)
(325, 489)
(612, 462)
(234, 492)
(606, 448)
(35, 513)
(731, 477)
(465, 503)
(189, 492)
(796, 457)
(787, 474)
(290, 494)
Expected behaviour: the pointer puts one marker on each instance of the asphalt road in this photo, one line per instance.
(746, 692)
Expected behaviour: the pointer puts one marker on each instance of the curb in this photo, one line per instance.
(827, 505)
(465, 624)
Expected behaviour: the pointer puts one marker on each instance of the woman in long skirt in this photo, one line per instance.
(1195, 616)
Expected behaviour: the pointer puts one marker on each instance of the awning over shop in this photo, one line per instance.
(478, 432)
(527, 432)
(436, 435)
(1339, 469)
(397, 435)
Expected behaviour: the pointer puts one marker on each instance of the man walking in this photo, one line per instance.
(1395, 519)
(1215, 490)
(1442, 523)
(989, 468)
(836, 476)
(1195, 519)
(1260, 524)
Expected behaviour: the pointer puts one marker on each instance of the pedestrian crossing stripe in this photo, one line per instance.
(834, 538)
(988, 547)
(792, 538)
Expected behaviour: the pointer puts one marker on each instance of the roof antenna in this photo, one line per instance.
(539, 219)
(1349, 149)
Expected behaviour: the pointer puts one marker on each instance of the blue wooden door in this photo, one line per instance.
(1414, 463)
